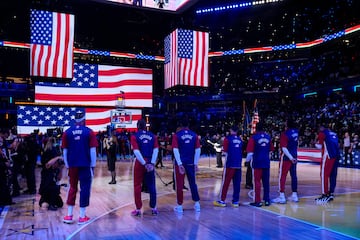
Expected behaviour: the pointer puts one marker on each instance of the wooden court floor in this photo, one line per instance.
(110, 208)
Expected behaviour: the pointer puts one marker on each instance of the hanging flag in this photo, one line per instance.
(100, 85)
(170, 63)
(51, 44)
(255, 118)
(186, 58)
(38, 117)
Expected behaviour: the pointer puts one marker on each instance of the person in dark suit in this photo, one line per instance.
(5, 196)
(52, 164)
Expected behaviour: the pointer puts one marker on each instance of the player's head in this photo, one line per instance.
(259, 127)
(185, 122)
(290, 123)
(141, 124)
(324, 125)
(234, 129)
(80, 117)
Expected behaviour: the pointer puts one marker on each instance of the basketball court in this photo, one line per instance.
(110, 208)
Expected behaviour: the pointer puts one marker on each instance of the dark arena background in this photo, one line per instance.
(267, 61)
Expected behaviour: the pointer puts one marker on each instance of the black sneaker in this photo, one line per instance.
(255, 204)
(267, 203)
(154, 212)
(331, 197)
(52, 208)
(322, 199)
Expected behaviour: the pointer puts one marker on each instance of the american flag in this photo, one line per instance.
(38, 117)
(100, 85)
(51, 44)
(170, 62)
(255, 118)
(186, 58)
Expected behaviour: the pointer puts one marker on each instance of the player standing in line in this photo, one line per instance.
(79, 152)
(258, 151)
(186, 147)
(288, 160)
(328, 142)
(233, 157)
(146, 148)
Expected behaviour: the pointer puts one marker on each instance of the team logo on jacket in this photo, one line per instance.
(263, 142)
(145, 138)
(237, 143)
(187, 138)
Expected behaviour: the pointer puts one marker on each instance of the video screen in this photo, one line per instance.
(100, 85)
(170, 5)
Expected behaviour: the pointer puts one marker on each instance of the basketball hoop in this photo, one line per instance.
(120, 118)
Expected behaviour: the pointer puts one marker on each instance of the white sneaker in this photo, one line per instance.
(280, 199)
(197, 207)
(179, 209)
(293, 197)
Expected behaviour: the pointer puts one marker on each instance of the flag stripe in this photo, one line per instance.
(125, 83)
(66, 45)
(57, 36)
(73, 92)
(129, 103)
(16, 44)
(93, 98)
(113, 70)
(175, 60)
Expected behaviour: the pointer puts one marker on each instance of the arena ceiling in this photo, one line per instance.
(102, 25)
(124, 28)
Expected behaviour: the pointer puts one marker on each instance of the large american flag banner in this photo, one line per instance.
(51, 44)
(186, 58)
(100, 85)
(38, 117)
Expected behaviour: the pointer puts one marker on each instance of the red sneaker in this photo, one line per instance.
(136, 213)
(83, 220)
(68, 219)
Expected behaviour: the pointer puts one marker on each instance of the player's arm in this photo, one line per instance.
(176, 150)
(225, 148)
(177, 154)
(250, 150)
(321, 140)
(197, 151)
(64, 145)
(283, 144)
(155, 151)
(93, 145)
(136, 151)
